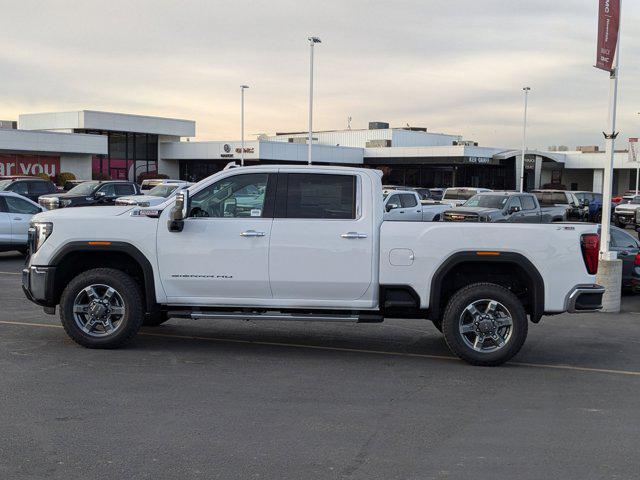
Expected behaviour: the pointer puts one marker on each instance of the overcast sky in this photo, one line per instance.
(454, 66)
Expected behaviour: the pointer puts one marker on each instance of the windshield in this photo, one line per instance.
(84, 188)
(4, 184)
(458, 194)
(162, 190)
(487, 201)
(632, 200)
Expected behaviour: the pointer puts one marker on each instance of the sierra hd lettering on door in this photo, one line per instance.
(222, 252)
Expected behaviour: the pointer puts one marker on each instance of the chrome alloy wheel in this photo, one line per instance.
(98, 310)
(485, 325)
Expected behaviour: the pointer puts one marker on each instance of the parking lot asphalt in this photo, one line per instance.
(285, 400)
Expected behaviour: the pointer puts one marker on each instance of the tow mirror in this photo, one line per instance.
(179, 212)
(392, 206)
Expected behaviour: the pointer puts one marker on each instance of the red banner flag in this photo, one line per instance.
(608, 24)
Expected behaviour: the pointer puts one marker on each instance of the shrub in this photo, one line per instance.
(64, 177)
(44, 176)
(150, 175)
(101, 176)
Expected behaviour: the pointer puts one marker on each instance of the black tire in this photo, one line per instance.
(128, 290)
(619, 224)
(455, 309)
(155, 319)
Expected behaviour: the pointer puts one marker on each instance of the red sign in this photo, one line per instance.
(608, 24)
(29, 165)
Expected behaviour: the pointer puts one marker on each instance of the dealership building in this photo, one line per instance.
(123, 146)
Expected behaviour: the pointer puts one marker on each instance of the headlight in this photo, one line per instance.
(38, 234)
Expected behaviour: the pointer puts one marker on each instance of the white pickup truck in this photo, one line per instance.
(406, 206)
(304, 243)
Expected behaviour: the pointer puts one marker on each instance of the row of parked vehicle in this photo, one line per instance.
(23, 197)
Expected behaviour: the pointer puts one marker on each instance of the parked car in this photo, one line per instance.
(314, 248)
(459, 195)
(28, 187)
(564, 198)
(15, 215)
(591, 202)
(90, 193)
(513, 207)
(628, 250)
(405, 205)
(155, 196)
(625, 212)
(150, 183)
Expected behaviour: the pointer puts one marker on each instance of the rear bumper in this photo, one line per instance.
(37, 285)
(585, 298)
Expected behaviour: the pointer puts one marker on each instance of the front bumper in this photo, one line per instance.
(625, 218)
(585, 298)
(38, 285)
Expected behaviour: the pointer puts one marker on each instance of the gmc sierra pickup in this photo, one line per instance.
(304, 243)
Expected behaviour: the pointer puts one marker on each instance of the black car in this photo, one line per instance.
(575, 210)
(91, 193)
(29, 187)
(628, 250)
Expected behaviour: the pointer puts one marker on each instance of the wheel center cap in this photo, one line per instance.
(97, 309)
(485, 326)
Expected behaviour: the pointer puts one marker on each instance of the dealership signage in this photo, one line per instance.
(14, 165)
(608, 24)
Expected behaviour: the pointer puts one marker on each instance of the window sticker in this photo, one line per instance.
(256, 212)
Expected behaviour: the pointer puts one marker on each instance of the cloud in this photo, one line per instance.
(456, 66)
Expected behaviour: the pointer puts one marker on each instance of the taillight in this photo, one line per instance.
(636, 261)
(590, 243)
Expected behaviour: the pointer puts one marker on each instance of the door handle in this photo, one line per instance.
(252, 233)
(17, 218)
(354, 235)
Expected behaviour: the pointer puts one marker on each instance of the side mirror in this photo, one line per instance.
(514, 209)
(392, 206)
(100, 194)
(179, 212)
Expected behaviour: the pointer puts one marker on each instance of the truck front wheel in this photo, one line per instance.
(484, 324)
(101, 308)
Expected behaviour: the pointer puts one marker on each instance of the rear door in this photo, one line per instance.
(322, 240)
(411, 206)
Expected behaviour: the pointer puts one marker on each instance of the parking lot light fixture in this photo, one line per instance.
(524, 136)
(242, 89)
(312, 42)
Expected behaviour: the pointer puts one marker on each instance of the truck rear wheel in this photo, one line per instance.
(101, 308)
(484, 324)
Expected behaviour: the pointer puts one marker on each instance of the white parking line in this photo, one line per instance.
(574, 368)
(10, 273)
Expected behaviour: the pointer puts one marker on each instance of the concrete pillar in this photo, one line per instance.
(610, 277)
(598, 180)
(538, 172)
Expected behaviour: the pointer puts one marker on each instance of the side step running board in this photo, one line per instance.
(300, 317)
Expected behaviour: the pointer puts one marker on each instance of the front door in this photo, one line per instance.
(222, 253)
(322, 244)
(20, 213)
(5, 225)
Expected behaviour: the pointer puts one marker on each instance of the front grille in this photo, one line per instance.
(461, 217)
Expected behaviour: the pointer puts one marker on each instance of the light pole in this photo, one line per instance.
(635, 156)
(242, 89)
(312, 42)
(524, 136)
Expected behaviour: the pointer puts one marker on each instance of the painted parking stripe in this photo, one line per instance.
(574, 368)
(10, 273)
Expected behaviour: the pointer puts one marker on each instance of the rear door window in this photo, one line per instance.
(528, 203)
(407, 200)
(124, 189)
(18, 205)
(20, 188)
(39, 188)
(319, 196)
